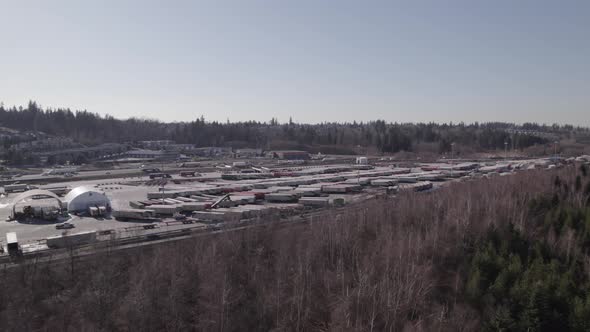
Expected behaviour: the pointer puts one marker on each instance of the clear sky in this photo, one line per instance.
(314, 60)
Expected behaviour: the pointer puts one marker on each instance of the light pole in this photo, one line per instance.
(555, 149)
(359, 152)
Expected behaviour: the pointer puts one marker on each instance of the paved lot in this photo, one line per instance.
(120, 190)
(120, 195)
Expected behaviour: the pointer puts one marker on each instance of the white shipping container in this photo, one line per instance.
(315, 201)
(186, 207)
(209, 215)
(139, 214)
(383, 182)
(165, 209)
(281, 197)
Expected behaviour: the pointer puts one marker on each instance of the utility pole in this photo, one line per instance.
(555, 149)
(452, 158)
(162, 189)
(505, 150)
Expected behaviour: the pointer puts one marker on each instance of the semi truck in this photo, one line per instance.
(240, 164)
(12, 245)
(60, 191)
(190, 164)
(71, 240)
(134, 214)
(159, 175)
(151, 170)
(188, 173)
(14, 188)
(61, 171)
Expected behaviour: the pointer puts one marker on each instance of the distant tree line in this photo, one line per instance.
(379, 136)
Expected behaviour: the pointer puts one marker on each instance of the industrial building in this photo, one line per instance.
(38, 210)
(212, 151)
(155, 145)
(82, 153)
(82, 199)
(362, 160)
(247, 153)
(152, 154)
(290, 155)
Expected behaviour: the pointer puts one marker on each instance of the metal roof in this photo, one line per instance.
(81, 198)
(34, 192)
(80, 191)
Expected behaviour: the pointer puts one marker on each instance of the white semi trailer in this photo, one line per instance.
(134, 214)
(71, 240)
(14, 188)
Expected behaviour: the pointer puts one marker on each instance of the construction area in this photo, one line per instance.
(147, 203)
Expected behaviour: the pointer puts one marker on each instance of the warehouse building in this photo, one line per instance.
(152, 154)
(34, 199)
(82, 199)
(247, 153)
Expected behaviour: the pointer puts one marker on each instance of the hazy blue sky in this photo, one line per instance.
(313, 60)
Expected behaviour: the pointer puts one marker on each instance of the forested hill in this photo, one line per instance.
(90, 128)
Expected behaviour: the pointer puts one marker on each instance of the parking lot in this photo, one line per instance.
(286, 188)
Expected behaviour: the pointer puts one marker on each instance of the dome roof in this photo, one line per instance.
(79, 191)
(81, 198)
(32, 193)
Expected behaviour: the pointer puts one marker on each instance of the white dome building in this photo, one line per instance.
(80, 199)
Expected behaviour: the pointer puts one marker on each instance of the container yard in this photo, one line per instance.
(141, 205)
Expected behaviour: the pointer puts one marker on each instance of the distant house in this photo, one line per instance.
(247, 153)
(290, 155)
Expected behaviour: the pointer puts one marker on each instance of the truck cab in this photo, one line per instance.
(12, 245)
